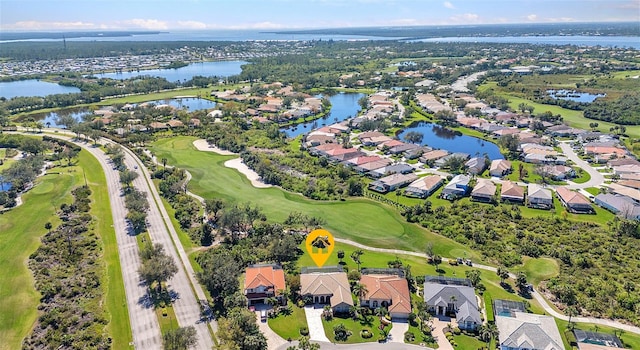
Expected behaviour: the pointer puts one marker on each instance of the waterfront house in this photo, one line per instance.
(424, 187)
(524, 331)
(434, 155)
(499, 167)
(263, 282)
(511, 192)
(392, 182)
(457, 187)
(390, 291)
(327, 285)
(476, 165)
(574, 201)
(446, 296)
(621, 205)
(483, 191)
(539, 197)
(442, 161)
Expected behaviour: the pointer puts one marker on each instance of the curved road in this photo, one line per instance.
(597, 178)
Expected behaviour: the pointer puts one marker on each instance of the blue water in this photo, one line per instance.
(51, 117)
(4, 186)
(344, 105)
(205, 69)
(33, 87)
(609, 41)
(189, 103)
(574, 95)
(436, 136)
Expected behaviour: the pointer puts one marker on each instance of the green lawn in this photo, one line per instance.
(419, 337)
(116, 302)
(539, 269)
(531, 177)
(583, 177)
(371, 323)
(379, 225)
(467, 342)
(288, 326)
(593, 190)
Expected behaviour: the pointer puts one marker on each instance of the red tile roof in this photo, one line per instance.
(266, 276)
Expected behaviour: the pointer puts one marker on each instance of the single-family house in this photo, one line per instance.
(511, 192)
(415, 152)
(626, 169)
(476, 165)
(453, 296)
(499, 167)
(597, 341)
(539, 197)
(407, 147)
(457, 187)
(327, 285)
(625, 191)
(524, 331)
(398, 168)
(376, 164)
(574, 201)
(392, 182)
(483, 191)
(424, 187)
(442, 161)
(159, 126)
(263, 282)
(630, 183)
(432, 156)
(558, 172)
(622, 205)
(390, 291)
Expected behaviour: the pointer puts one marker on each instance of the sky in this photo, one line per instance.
(35, 15)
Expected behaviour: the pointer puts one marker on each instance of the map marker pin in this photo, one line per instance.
(320, 244)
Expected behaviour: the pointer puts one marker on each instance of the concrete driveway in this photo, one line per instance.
(438, 332)
(396, 335)
(274, 341)
(314, 322)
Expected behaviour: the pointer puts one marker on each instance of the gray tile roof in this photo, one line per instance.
(529, 331)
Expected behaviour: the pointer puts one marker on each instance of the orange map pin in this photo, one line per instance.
(320, 244)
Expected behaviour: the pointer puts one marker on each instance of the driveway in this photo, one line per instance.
(274, 341)
(597, 178)
(438, 332)
(396, 335)
(314, 321)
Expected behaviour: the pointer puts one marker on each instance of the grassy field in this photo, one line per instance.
(379, 225)
(116, 302)
(288, 327)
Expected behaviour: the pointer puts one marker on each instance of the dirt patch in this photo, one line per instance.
(203, 145)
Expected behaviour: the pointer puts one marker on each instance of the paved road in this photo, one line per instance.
(597, 179)
(143, 320)
(187, 303)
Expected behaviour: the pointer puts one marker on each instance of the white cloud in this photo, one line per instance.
(532, 17)
(448, 5)
(192, 25)
(146, 24)
(36, 25)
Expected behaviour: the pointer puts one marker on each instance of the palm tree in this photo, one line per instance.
(571, 311)
(502, 273)
(488, 332)
(356, 257)
(164, 163)
(360, 290)
(48, 226)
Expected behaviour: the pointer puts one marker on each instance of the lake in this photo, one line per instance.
(575, 96)
(4, 186)
(344, 105)
(579, 40)
(51, 117)
(436, 136)
(189, 103)
(205, 69)
(33, 87)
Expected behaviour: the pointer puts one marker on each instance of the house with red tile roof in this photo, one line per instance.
(388, 291)
(263, 282)
(574, 201)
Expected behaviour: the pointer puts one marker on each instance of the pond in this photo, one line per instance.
(205, 69)
(575, 96)
(437, 136)
(52, 117)
(4, 186)
(33, 87)
(189, 103)
(344, 105)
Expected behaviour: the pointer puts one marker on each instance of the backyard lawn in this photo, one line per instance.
(288, 326)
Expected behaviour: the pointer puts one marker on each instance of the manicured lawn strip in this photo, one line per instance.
(420, 338)
(116, 302)
(593, 190)
(288, 326)
(584, 177)
(20, 232)
(378, 225)
(467, 342)
(355, 326)
(168, 322)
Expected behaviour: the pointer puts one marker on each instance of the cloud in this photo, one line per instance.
(532, 17)
(448, 5)
(146, 24)
(192, 25)
(36, 25)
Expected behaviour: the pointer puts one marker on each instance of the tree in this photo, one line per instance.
(356, 257)
(502, 273)
(33, 146)
(446, 117)
(340, 256)
(213, 206)
(437, 259)
(429, 250)
(157, 266)
(571, 311)
(48, 226)
(66, 120)
(360, 290)
(179, 339)
(305, 344)
(487, 332)
(511, 143)
(164, 163)
(127, 177)
(414, 137)
(138, 221)
(521, 283)
(473, 276)
(593, 126)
